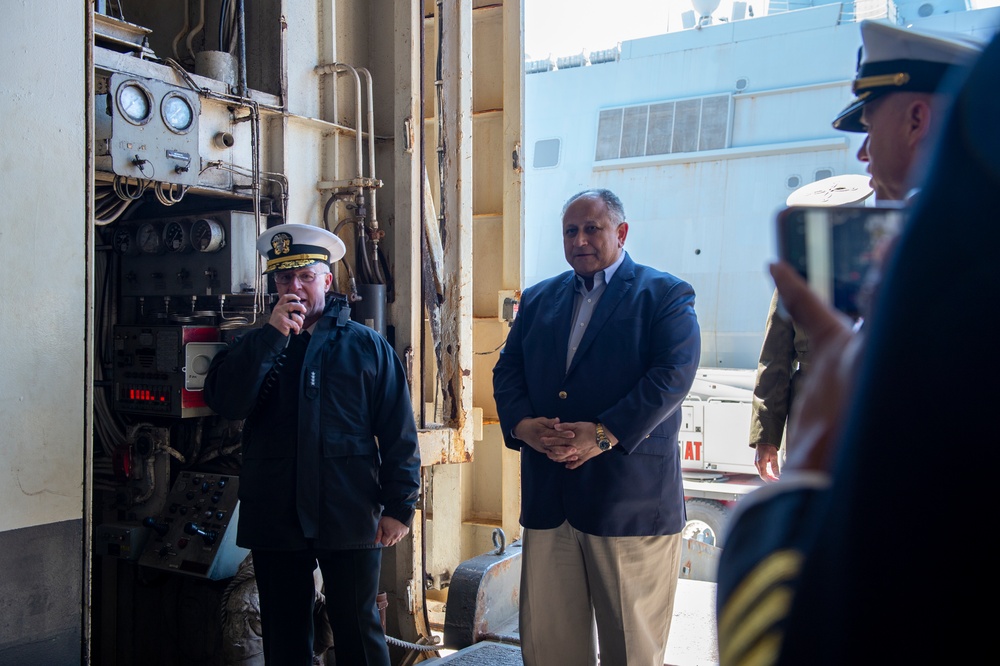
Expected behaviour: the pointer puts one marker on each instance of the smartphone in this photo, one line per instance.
(838, 249)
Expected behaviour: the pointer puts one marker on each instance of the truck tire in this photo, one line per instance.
(706, 521)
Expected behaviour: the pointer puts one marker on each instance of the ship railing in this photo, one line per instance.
(868, 10)
(850, 12)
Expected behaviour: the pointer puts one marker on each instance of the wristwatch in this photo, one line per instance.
(602, 438)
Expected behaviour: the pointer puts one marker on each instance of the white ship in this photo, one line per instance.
(704, 132)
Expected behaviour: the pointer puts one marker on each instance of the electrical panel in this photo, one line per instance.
(155, 365)
(196, 533)
(190, 255)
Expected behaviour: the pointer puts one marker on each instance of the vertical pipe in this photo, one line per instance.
(357, 99)
(241, 44)
(371, 141)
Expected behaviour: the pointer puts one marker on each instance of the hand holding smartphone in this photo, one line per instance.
(837, 248)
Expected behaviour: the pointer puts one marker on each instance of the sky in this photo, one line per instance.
(566, 27)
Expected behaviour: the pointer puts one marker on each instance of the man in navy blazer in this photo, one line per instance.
(588, 388)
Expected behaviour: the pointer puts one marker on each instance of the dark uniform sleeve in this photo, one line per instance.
(236, 374)
(772, 394)
(759, 568)
(396, 430)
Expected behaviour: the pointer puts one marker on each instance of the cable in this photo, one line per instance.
(165, 193)
(492, 351)
(411, 646)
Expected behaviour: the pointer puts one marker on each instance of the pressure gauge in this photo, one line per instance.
(177, 112)
(176, 236)
(134, 102)
(208, 236)
(123, 242)
(149, 239)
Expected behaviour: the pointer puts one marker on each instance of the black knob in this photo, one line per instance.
(208, 536)
(159, 528)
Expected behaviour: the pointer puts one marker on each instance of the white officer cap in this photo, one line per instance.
(895, 59)
(288, 246)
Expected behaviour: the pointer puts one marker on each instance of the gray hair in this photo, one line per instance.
(610, 199)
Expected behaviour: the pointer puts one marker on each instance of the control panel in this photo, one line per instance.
(159, 370)
(150, 130)
(122, 540)
(192, 255)
(196, 533)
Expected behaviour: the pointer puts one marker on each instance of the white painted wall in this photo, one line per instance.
(43, 230)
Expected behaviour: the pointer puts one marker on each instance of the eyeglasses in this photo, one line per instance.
(305, 277)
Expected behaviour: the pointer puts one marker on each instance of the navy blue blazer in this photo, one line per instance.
(632, 370)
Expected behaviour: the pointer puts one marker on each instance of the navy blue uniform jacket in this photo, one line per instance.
(330, 446)
(632, 370)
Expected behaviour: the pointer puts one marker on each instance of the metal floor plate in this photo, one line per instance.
(483, 654)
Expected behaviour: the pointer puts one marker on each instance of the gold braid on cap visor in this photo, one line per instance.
(881, 81)
(294, 261)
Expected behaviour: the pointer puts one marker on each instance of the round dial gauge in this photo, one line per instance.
(177, 112)
(123, 242)
(208, 236)
(176, 236)
(134, 102)
(149, 239)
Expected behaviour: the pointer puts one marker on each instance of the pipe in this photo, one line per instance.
(177, 38)
(336, 68)
(241, 47)
(196, 30)
(371, 141)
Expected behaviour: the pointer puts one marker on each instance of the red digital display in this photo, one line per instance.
(143, 395)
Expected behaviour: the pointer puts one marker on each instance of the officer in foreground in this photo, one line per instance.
(330, 456)
(837, 563)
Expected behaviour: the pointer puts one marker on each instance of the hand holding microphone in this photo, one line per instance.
(288, 315)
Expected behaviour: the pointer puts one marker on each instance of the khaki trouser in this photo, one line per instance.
(581, 594)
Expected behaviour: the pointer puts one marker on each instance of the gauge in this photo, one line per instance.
(149, 239)
(134, 102)
(208, 236)
(176, 236)
(177, 112)
(123, 242)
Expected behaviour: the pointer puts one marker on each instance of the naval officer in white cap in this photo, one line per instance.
(899, 90)
(331, 466)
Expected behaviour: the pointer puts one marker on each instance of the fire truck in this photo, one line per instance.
(717, 463)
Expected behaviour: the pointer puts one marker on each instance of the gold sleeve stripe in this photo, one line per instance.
(780, 566)
(755, 636)
(764, 653)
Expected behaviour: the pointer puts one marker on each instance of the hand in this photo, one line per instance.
(288, 315)
(390, 531)
(818, 410)
(540, 433)
(766, 460)
(584, 441)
